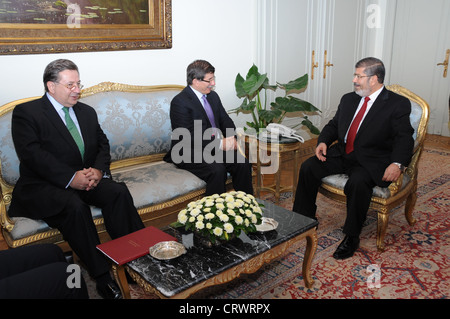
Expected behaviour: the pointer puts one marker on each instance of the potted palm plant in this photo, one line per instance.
(254, 91)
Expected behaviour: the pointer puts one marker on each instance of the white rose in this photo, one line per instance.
(229, 199)
(199, 225)
(224, 217)
(228, 228)
(218, 231)
(231, 212)
(239, 220)
(182, 219)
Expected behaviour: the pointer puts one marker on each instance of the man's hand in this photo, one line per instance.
(321, 152)
(392, 173)
(86, 179)
(229, 143)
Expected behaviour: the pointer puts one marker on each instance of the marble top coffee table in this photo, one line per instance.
(202, 267)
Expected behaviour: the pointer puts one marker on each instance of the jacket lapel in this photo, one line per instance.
(197, 104)
(57, 122)
(350, 112)
(374, 110)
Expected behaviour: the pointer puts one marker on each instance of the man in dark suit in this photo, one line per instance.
(376, 155)
(39, 272)
(203, 134)
(64, 169)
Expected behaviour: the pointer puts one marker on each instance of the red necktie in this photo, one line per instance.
(354, 127)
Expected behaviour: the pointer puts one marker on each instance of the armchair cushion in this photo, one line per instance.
(338, 181)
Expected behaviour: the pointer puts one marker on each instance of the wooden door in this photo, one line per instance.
(420, 42)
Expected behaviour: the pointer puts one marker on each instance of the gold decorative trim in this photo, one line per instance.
(246, 267)
(120, 87)
(38, 38)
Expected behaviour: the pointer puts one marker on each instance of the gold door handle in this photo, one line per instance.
(445, 63)
(314, 64)
(326, 64)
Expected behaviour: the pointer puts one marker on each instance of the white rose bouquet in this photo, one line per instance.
(220, 216)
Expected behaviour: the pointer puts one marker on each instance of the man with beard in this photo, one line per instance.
(374, 144)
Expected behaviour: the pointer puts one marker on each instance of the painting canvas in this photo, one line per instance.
(36, 26)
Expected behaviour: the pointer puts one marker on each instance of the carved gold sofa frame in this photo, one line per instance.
(136, 121)
(404, 189)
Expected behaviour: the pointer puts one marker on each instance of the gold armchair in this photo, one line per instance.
(384, 199)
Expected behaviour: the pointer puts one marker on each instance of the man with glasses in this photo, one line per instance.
(203, 139)
(65, 167)
(374, 144)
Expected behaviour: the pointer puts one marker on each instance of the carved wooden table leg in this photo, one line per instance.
(311, 247)
(121, 279)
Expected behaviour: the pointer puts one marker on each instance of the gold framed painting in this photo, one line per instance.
(36, 26)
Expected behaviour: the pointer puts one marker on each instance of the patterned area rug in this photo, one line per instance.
(415, 264)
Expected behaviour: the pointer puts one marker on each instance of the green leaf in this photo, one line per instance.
(293, 104)
(245, 107)
(253, 71)
(269, 115)
(253, 84)
(297, 84)
(306, 122)
(238, 85)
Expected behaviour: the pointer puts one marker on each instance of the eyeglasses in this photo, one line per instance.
(361, 76)
(210, 80)
(72, 86)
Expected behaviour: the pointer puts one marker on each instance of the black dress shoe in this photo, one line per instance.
(346, 248)
(109, 291)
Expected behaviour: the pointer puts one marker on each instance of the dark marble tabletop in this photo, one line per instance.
(171, 277)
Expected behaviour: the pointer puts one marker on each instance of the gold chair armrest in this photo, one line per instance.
(395, 186)
(5, 221)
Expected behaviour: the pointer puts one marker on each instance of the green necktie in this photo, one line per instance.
(74, 131)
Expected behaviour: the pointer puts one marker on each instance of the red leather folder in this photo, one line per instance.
(132, 246)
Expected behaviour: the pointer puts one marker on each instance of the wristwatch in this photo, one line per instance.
(400, 166)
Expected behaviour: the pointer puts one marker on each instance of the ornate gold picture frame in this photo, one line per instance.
(88, 26)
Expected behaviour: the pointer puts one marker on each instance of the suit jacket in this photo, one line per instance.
(185, 108)
(384, 137)
(49, 156)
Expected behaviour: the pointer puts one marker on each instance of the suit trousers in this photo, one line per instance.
(215, 173)
(358, 189)
(37, 271)
(77, 227)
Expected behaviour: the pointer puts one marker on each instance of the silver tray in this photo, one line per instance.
(267, 224)
(166, 250)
